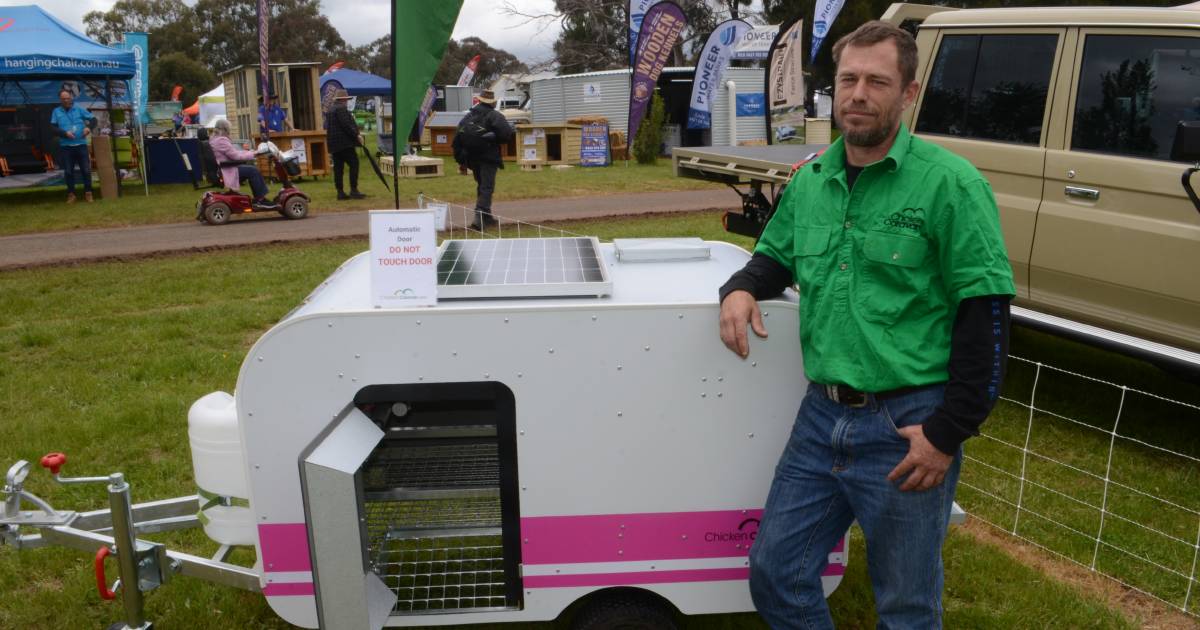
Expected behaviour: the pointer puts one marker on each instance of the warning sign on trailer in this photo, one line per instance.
(403, 258)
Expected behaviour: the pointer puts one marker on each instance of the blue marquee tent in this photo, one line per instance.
(36, 45)
(358, 83)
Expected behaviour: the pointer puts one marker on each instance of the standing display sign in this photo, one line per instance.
(785, 88)
(660, 30)
(755, 44)
(824, 13)
(139, 45)
(468, 72)
(709, 67)
(637, 11)
(420, 31)
(403, 258)
(594, 148)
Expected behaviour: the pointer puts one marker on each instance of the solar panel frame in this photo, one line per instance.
(522, 268)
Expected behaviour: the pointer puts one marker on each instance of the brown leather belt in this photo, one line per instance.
(846, 395)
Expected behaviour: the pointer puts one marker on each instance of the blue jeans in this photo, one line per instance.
(834, 471)
(257, 185)
(77, 156)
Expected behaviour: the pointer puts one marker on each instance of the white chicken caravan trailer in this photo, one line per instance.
(563, 425)
(511, 451)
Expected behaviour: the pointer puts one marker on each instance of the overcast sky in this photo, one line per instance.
(362, 21)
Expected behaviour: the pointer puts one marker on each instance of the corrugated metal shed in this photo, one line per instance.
(749, 128)
(604, 93)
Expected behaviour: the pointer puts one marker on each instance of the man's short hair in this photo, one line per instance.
(67, 92)
(877, 31)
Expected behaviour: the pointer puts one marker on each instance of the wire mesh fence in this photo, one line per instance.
(461, 223)
(1097, 473)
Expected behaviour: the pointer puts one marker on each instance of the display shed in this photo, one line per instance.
(439, 132)
(549, 143)
(298, 87)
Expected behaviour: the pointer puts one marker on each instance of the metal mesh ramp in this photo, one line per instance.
(448, 572)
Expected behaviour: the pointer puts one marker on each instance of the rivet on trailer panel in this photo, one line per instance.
(551, 350)
(620, 414)
(330, 324)
(647, 348)
(619, 368)
(357, 356)
(519, 375)
(720, 379)
(260, 359)
(703, 395)
(341, 375)
(703, 379)
(750, 435)
(681, 316)
(505, 320)
(522, 432)
(593, 318)
(720, 394)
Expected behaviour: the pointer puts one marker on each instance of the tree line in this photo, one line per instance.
(192, 46)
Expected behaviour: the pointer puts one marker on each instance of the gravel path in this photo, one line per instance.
(53, 248)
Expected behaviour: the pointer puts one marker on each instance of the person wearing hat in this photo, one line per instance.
(272, 117)
(477, 146)
(342, 139)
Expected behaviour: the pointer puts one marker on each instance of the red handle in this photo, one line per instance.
(101, 581)
(54, 461)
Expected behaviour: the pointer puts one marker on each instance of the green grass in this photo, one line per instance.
(102, 361)
(29, 210)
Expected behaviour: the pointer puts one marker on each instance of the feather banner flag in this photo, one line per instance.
(420, 31)
(660, 30)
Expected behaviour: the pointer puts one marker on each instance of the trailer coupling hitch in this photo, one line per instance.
(143, 565)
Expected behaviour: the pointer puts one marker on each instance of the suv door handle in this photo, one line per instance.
(1083, 193)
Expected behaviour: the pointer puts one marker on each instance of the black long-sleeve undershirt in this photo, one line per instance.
(978, 352)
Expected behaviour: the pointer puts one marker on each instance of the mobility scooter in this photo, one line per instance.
(215, 208)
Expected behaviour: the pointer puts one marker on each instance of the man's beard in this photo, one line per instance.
(873, 135)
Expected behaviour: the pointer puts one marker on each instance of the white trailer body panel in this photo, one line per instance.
(644, 448)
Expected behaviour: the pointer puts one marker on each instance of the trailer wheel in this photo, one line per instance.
(625, 609)
(216, 213)
(295, 208)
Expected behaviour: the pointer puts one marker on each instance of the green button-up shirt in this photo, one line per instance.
(882, 269)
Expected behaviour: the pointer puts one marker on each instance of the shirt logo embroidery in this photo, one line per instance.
(907, 219)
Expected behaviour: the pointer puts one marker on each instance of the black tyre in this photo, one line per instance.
(625, 609)
(295, 208)
(217, 213)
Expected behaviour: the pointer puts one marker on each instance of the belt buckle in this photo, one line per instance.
(857, 400)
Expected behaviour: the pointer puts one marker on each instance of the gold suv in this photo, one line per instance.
(1071, 115)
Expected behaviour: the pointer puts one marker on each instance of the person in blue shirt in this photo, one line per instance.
(73, 124)
(272, 116)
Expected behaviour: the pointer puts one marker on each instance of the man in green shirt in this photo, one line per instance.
(904, 282)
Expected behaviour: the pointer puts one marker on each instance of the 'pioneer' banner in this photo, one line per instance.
(660, 30)
(824, 13)
(709, 67)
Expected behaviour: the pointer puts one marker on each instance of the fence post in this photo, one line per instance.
(1107, 475)
(1025, 451)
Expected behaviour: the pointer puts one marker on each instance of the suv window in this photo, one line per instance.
(1133, 91)
(991, 87)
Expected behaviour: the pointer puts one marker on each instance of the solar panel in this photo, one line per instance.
(522, 267)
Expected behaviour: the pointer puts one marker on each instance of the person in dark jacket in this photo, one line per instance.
(343, 138)
(484, 160)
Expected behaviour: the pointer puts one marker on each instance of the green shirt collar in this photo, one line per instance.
(833, 161)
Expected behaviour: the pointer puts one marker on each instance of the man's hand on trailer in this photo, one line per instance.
(738, 309)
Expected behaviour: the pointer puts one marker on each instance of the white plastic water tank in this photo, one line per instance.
(217, 463)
